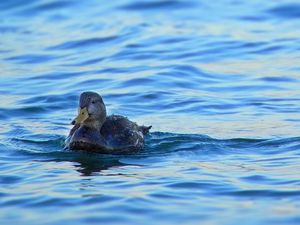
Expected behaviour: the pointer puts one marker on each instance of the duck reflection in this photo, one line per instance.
(92, 163)
(89, 166)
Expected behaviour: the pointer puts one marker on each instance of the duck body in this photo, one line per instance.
(114, 135)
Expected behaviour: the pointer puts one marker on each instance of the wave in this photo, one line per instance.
(161, 143)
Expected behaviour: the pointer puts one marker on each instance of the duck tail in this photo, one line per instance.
(145, 129)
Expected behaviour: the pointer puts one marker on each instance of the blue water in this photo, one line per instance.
(218, 81)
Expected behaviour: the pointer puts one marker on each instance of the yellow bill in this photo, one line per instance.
(82, 115)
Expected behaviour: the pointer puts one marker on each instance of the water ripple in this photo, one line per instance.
(85, 43)
(291, 11)
(158, 5)
(219, 83)
(32, 58)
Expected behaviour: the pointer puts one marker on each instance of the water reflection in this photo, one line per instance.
(226, 69)
(92, 165)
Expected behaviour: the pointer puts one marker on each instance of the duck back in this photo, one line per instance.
(121, 133)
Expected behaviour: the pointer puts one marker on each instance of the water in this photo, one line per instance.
(217, 80)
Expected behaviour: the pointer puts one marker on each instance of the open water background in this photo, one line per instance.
(219, 81)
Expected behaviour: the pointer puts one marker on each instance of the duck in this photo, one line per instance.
(94, 131)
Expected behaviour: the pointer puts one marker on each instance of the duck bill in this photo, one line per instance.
(82, 116)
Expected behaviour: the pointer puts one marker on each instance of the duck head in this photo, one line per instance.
(91, 111)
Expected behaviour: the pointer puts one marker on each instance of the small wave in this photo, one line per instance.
(54, 5)
(261, 193)
(36, 143)
(158, 5)
(289, 11)
(33, 58)
(23, 111)
(279, 79)
(84, 43)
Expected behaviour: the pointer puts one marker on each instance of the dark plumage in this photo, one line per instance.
(94, 131)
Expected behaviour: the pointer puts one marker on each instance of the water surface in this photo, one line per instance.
(219, 83)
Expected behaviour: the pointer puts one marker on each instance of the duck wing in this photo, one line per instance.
(121, 133)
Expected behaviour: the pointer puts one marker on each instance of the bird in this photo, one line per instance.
(94, 131)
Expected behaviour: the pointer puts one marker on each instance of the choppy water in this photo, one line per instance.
(217, 80)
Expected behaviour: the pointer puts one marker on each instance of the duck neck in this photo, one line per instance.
(94, 124)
